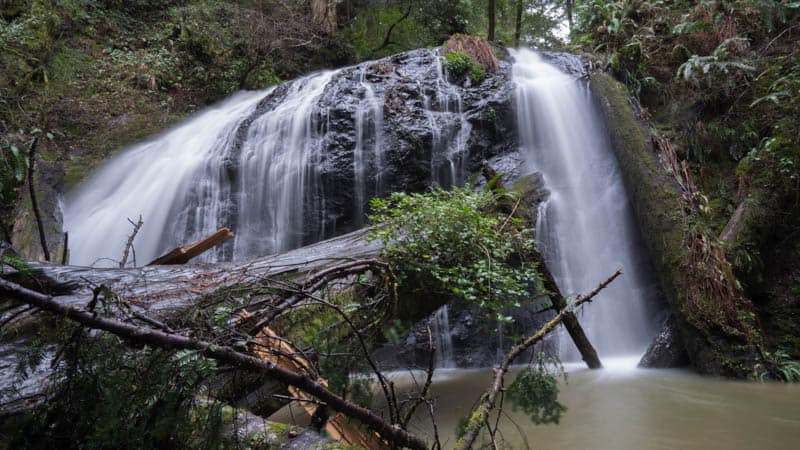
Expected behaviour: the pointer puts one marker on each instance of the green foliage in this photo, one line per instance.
(701, 70)
(594, 13)
(785, 368)
(367, 31)
(460, 64)
(535, 391)
(453, 241)
(104, 393)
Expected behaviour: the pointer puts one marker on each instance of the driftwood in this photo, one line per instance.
(182, 255)
(480, 413)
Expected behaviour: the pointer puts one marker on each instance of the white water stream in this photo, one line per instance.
(586, 227)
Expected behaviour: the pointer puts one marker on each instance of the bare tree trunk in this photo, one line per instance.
(569, 6)
(492, 10)
(34, 203)
(518, 23)
(323, 14)
(585, 347)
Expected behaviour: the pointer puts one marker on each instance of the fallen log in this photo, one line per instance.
(182, 255)
(169, 341)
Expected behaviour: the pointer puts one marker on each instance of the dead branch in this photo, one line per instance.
(34, 203)
(129, 244)
(480, 413)
(423, 393)
(182, 255)
(144, 335)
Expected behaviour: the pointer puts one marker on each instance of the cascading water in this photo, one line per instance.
(278, 171)
(444, 338)
(369, 132)
(586, 227)
(449, 142)
(255, 163)
(447, 169)
(148, 180)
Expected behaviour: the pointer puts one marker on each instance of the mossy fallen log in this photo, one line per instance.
(663, 217)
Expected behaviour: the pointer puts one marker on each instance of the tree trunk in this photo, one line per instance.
(518, 23)
(570, 321)
(323, 14)
(569, 6)
(492, 10)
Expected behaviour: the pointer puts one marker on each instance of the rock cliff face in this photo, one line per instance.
(414, 129)
(299, 163)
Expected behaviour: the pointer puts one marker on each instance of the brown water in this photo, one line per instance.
(625, 408)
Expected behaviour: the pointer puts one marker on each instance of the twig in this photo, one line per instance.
(34, 203)
(479, 414)
(423, 393)
(129, 244)
(299, 399)
(763, 50)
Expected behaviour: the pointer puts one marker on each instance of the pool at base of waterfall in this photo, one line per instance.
(622, 407)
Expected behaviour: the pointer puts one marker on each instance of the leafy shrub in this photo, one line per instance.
(458, 63)
(459, 244)
(535, 391)
(105, 393)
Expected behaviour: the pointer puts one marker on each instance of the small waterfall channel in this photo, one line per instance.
(586, 227)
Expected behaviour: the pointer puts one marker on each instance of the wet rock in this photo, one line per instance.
(667, 349)
(428, 132)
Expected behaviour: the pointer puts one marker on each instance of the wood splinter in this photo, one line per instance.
(182, 255)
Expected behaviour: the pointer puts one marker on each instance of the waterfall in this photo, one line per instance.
(449, 137)
(369, 132)
(444, 338)
(281, 167)
(586, 227)
(147, 179)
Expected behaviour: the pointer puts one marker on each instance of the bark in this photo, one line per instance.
(518, 23)
(479, 415)
(492, 21)
(569, 4)
(557, 300)
(171, 289)
(225, 354)
(574, 328)
(323, 14)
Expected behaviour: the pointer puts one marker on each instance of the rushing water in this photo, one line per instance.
(586, 227)
(147, 180)
(369, 138)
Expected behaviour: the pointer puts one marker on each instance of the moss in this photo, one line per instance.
(667, 231)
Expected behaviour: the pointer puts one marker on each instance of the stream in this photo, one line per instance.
(621, 407)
